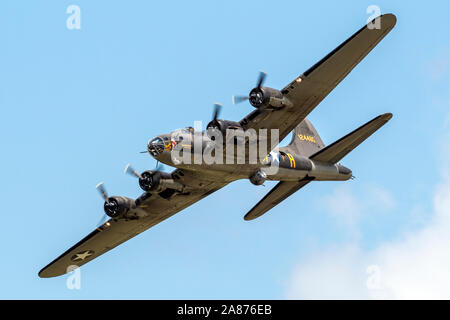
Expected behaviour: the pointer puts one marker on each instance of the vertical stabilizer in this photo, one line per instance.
(305, 140)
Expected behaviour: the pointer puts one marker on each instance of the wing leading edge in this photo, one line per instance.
(116, 232)
(339, 149)
(309, 89)
(306, 92)
(330, 154)
(96, 243)
(280, 192)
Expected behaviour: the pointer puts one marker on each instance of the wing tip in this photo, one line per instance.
(248, 217)
(387, 116)
(391, 17)
(44, 274)
(387, 23)
(51, 271)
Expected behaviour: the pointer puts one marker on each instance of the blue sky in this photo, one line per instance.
(78, 105)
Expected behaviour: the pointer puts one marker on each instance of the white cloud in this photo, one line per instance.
(348, 208)
(343, 206)
(440, 65)
(415, 265)
(381, 198)
(339, 272)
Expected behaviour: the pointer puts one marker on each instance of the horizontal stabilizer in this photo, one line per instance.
(278, 193)
(339, 149)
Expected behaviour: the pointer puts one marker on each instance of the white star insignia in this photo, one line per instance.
(82, 255)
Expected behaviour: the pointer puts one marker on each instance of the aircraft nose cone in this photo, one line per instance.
(256, 97)
(155, 146)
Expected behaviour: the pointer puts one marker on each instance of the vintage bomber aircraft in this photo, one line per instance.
(305, 159)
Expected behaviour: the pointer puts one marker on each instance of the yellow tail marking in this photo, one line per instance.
(304, 137)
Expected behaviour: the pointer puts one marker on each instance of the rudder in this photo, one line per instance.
(305, 140)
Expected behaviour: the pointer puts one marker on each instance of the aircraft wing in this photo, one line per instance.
(99, 241)
(152, 211)
(280, 192)
(339, 149)
(331, 154)
(310, 88)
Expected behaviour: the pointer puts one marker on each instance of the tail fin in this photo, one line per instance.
(305, 140)
(339, 149)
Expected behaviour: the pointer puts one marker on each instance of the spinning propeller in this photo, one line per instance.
(109, 205)
(131, 171)
(148, 179)
(217, 109)
(255, 95)
(214, 123)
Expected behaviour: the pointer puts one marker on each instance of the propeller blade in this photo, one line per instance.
(217, 108)
(143, 151)
(261, 78)
(239, 99)
(129, 169)
(101, 188)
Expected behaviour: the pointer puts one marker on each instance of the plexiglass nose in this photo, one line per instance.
(156, 146)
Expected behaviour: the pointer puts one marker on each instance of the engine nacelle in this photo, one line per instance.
(222, 126)
(258, 178)
(158, 181)
(265, 97)
(118, 206)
